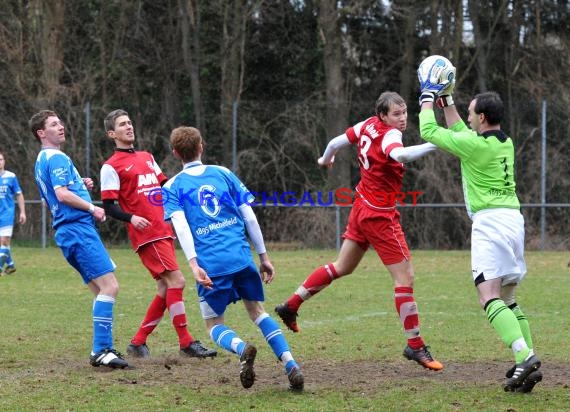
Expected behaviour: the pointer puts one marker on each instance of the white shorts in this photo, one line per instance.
(6, 231)
(497, 245)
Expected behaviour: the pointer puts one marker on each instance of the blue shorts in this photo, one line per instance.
(245, 284)
(83, 249)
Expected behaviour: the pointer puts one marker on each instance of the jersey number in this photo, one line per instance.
(365, 143)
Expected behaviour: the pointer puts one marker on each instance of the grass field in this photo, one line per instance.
(350, 344)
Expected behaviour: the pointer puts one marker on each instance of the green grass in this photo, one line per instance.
(45, 319)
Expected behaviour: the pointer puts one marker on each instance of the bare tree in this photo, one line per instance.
(336, 87)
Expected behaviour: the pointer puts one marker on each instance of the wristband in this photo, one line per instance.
(91, 208)
(444, 101)
(426, 97)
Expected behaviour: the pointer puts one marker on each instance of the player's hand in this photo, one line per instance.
(266, 270)
(22, 218)
(99, 214)
(202, 277)
(321, 161)
(139, 222)
(88, 182)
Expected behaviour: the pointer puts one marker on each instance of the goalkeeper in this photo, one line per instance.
(497, 239)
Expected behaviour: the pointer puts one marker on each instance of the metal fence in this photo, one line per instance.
(542, 227)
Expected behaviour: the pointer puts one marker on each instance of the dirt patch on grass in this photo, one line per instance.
(361, 376)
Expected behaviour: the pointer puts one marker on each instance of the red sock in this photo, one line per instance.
(153, 316)
(317, 281)
(177, 311)
(408, 311)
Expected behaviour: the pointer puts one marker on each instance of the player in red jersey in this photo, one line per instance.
(134, 179)
(373, 221)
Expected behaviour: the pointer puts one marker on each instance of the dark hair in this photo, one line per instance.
(491, 105)
(386, 100)
(111, 117)
(186, 141)
(38, 121)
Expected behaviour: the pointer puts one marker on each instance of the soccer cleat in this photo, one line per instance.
(296, 379)
(423, 357)
(110, 358)
(288, 317)
(528, 384)
(511, 371)
(197, 350)
(10, 269)
(138, 351)
(246, 372)
(522, 370)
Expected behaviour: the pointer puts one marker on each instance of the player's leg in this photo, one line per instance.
(406, 306)
(154, 314)
(349, 257)
(5, 256)
(249, 287)
(213, 303)
(277, 342)
(160, 259)
(494, 264)
(84, 250)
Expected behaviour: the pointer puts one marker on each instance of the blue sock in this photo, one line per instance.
(103, 323)
(274, 337)
(9, 260)
(4, 253)
(227, 339)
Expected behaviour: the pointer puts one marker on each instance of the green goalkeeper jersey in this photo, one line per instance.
(487, 162)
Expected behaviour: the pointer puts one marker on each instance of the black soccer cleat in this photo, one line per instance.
(528, 384)
(296, 379)
(246, 372)
(197, 350)
(522, 370)
(138, 351)
(110, 358)
(288, 317)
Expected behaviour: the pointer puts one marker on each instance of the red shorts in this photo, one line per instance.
(159, 256)
(380, 229)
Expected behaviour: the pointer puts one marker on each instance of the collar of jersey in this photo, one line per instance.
(192, 164)
(499, 134)
(129, 150)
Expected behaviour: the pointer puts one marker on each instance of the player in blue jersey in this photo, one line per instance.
(9, 191)
(66, 195)
(210, 210)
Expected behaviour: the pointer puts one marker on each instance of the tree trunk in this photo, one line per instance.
(48, 22)
(336, 93)
(190, 27)
(232, 68)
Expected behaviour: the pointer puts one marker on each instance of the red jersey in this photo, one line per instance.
(380, 175)
(130, 176)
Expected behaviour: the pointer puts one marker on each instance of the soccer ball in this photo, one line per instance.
(436, 70)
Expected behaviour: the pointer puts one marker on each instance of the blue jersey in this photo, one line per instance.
(9, 188)
(210, 197)
(55, 169)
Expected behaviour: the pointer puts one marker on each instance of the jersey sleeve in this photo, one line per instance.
(392, 139)
(457, 140)
(241, 194)
(353, 133)
(16, 187)
(159, 174)
(110, 183)
(170, 200)
(60, 171)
